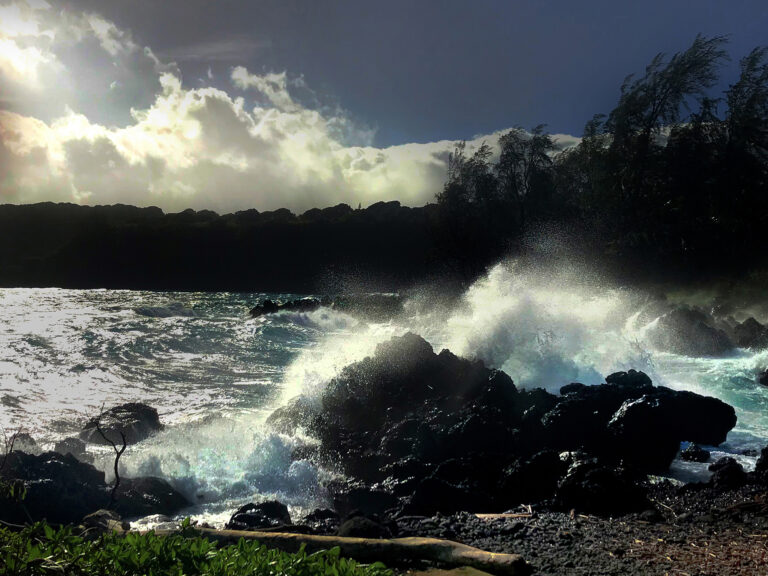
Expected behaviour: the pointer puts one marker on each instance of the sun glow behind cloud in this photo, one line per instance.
(248, 143)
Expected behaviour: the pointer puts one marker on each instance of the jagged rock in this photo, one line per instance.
(572, 388)
(591, 487)
(580, 418)
(255, 516)
(695, 453)
(761, 466)
(63, 489)
(105, 521)
(362, 500)
(437, 433)
(727, 474)
(134, 420)
(433, 495)
(532, 480)
(750, 334)
(363, 527)
(762, 378)
(73, 446)
(300, 305)
(322, 521)
(23, 442)
(690, 332)
(148, 495)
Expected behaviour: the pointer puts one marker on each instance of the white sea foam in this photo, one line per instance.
(216, 375)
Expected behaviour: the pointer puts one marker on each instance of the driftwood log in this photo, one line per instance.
(391, 552)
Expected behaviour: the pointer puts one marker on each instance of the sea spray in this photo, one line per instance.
(215, 376)
(546, 329)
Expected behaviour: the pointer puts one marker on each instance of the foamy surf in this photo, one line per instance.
(216, 374)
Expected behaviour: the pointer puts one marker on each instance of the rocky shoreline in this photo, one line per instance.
(435, 445)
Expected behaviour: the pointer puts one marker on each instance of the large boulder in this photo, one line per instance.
(59, 488)
(580, 418)
(727, 474)
(649, 429)
(750, 334)
(269, 514)
(133, 421)
(146, 495)
(24, 442)
(690, 332)
(630, 420)
(62, 489)
(73, 446)
(298, 305)
(695, 453)
(595, 488)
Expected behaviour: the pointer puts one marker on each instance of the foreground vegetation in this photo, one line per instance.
(40, 549)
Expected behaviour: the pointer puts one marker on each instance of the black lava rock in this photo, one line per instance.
(695, 453)
(255, 516)
(134, 421)
(727, 474)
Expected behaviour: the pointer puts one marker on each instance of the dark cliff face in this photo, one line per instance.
(385, 246)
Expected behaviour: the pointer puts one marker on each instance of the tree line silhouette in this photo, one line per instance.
(672, 178)
(672, 181)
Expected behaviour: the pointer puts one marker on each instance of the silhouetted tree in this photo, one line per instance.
(524, 166)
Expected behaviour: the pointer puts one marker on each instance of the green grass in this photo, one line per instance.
(40, 549)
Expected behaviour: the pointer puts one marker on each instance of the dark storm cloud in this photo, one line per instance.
(428, 70)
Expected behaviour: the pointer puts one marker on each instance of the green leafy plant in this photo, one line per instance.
(40, 549)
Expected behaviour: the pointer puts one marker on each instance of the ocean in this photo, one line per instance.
(215, 374)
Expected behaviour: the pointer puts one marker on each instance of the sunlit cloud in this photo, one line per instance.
(249, 143)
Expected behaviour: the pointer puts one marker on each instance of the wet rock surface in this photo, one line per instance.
(695, 453)
(435, 433)
(258, 516)
(62, 489)
(133, 421)
(690, 331)
(376, 307)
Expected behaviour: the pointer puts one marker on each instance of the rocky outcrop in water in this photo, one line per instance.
(269, 514)
(750, 334)
(375, 307)
(134, 421)
(690, 332)
(695, 453)
(75, 447)
(435, 432)
(63, 489)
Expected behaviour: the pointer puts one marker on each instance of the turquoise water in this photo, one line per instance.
(214, 374)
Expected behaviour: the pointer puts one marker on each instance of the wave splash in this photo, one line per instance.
(544, 328)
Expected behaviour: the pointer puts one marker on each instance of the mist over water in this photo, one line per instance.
(214, 374)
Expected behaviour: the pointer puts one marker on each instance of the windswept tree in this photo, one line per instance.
(525, 161)
(657, 99)
(470, 178)
(468, 222)
(747, 117)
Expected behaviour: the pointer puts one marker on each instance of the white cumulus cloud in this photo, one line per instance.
(203, 147)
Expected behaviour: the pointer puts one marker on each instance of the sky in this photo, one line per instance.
(230, 105)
